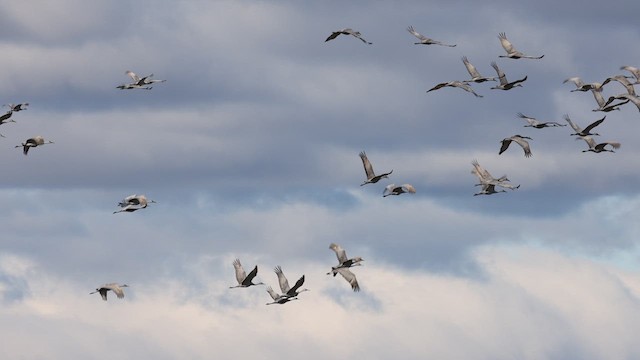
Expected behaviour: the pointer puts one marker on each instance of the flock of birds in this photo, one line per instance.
(487, 182)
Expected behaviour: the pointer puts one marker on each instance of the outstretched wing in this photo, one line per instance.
(350, 277)
(251, 275)
(340, 253)
(501, 76)
(294, 290)
(240, 273)
(368, 168)
(506, 44)
(133, 76)
(282, 280)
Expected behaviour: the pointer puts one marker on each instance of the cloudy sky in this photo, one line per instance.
(250, 149)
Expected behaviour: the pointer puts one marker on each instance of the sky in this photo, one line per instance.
(250, 150)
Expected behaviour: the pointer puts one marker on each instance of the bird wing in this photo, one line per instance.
(438, 86)
(115, 288)
(482, 174)
(597, 94)
(341, 254)
(282, 280)
(416, 34)
(594, 124)
(103, 293)
(501, 75)
(388, 190)
(576, 80)
(589, 140)
(615, 145)
(273, 294)
(525, 145)
(6, 116)
(530, 120)
(408, 188)
(575, 127)
(133, 75)
(240, 273)
(251, 275)
(470, 68)
(294, 290)
(350, 277)
(506, 44)
(519, 81)
(368, 168)
(505, 145)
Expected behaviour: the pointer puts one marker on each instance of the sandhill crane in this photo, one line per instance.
(116, 288)
(133, 203)
(606, 106)
(504, 84)
(628, 97)
(5, 119)
(277, 298)
(284, 284)
(586, 131)
(634, 71)
(141, 81)
(33, 142)
(601, 147)
(425, 40)
(17, 107)
(347, 31)
(520, 140)
(580, 85)
(392, 189)
(459, 84)
(488, 189)
(486, 178)
(244, 280)
(511, 51)
(532, 122)
(622, 80)
(372, 178)
(343, 266)
(343, 260)
(475, 75)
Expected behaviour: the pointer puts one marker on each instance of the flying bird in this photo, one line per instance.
(475, 75)
(580, 85)
(343, 266)
(33, 142)
(634, 71)
(117, 289)
(133, 203)
(504, 84)
(520, 140)
(425, 40)
(244, 280)
(601, 147)
(17, 107)
(486, 178)
(347, 31)
(284, 284)
(133, 86)
(372, 178)
(343, 260)
(392, 189)
(277, 298)
(511, 51)
(459, 84)
(532, 122)
(586, 131)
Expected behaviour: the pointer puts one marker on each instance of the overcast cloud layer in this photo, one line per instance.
(250, 149)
